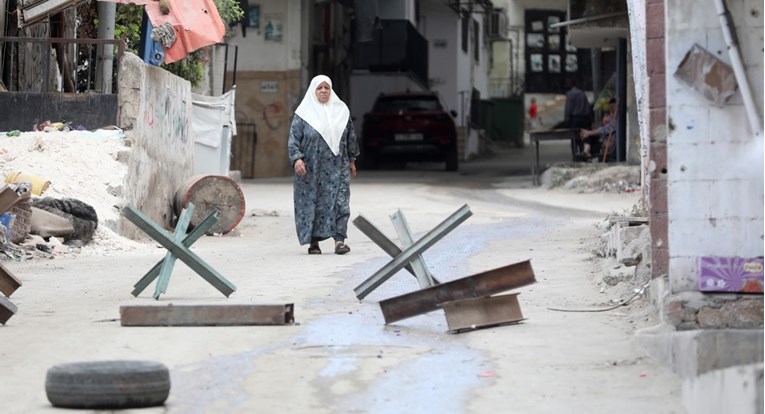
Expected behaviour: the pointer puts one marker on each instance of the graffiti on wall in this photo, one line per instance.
(166, 113)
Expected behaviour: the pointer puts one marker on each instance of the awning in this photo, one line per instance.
(196, 24)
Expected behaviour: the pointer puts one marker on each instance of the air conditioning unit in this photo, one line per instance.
(498, 24)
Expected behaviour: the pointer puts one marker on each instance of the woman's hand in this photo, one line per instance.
(353, 168)
(585, 133)
(300, 168)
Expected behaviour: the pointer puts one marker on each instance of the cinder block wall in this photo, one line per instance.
(714, 163)
(155, 112)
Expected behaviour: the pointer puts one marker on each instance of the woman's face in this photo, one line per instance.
(322, 92)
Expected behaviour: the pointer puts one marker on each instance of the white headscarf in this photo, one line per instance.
(328, 119)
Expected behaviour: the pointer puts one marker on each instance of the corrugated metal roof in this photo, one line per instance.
(196, 24)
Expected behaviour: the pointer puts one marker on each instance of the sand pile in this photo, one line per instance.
(85, 165)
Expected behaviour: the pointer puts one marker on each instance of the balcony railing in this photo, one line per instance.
(396, 46)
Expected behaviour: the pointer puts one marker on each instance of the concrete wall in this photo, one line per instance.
(155, 111)
(442, 27)
(637, 16)
(714, 163)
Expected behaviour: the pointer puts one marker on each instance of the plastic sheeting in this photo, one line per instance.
(213, 122)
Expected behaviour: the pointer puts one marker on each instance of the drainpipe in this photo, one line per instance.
(731, 41)
(106, 13)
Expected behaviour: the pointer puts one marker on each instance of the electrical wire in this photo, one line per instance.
(638, 292)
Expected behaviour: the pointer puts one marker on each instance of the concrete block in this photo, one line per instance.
(687, 198)
(736, 198)
(737, 389)
(692, 353)
(686, 236)
(691, 122)
(683, 15)
(754, 17)
(683, 274)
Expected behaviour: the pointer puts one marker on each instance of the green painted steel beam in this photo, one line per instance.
(382, 241)
(169, 262)
(429, 239)
(188, 257)
(192, 237)
(405, 236)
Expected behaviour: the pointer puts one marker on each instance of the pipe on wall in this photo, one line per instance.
(731, 41)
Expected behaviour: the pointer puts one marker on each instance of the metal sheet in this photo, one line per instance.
(206, 315)
(469, 314)
(8, 282)
(7, 309)
(429, 239)
(482, 284)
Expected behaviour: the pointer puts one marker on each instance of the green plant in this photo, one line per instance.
(127, 27)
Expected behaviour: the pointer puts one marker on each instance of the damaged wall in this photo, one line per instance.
(155, 111)
(715, 164)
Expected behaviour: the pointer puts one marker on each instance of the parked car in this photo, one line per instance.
(409, 126)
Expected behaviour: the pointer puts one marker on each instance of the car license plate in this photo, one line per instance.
(408, 137)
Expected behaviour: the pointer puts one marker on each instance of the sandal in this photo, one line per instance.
(342, 248)
(314, 250)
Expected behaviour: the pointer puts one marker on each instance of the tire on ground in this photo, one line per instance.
(108, 384)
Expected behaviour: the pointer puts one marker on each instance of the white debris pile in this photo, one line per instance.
(84, 165)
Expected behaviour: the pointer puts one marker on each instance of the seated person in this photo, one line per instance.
(601, 141)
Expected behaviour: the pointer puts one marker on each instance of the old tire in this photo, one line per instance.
(108, 384)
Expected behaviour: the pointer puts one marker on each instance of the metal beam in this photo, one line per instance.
(429, 239)
(195, 234)
(382, 241)
(169, 262)
(206, 315)
(182, 252)
(405, 236)
(482, 284)
(469, 314)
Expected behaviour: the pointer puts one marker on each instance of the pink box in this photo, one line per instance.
(730, 274)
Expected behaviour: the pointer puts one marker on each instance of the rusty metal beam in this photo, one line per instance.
(206, 315)
(479, 285)
(7, 309)
(469, 314)
(429, 239)
(8, 282)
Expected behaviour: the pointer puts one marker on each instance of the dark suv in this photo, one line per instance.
(409, 126)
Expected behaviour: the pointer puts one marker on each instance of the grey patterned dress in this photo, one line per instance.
(322, 196)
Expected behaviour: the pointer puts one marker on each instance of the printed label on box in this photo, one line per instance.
(731, 274)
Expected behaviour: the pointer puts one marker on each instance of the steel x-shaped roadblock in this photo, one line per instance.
(467, 302)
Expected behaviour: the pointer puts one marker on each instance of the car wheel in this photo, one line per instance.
(108, 384)
(452, 161)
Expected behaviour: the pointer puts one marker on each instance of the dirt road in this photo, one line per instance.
(339, 356)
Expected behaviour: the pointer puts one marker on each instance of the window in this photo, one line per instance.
(465, 27)
(476, 41)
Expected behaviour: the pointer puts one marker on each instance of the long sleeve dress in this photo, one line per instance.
(322, 196)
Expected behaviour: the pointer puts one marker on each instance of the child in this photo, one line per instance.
(533, 114)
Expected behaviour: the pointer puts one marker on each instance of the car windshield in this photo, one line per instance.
(420, 103)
